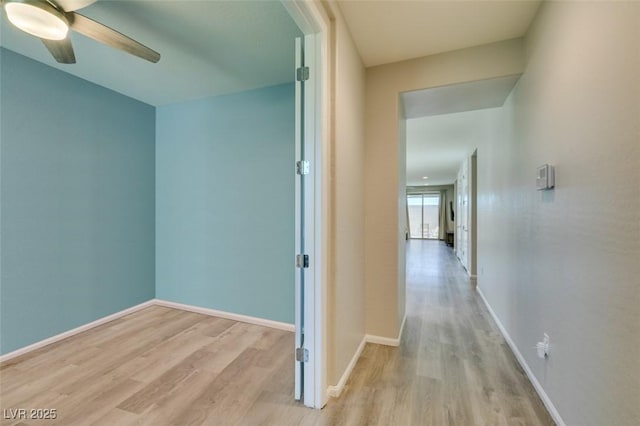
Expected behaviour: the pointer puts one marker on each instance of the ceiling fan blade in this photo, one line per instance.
(71, 5)
(62, 50)
(99, 32)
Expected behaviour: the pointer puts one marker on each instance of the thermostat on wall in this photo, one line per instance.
(545, 178)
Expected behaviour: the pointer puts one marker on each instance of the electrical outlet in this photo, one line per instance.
(543, 346)
(545, 340)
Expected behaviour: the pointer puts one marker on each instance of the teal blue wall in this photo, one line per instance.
(77, 201)
(225, 203)
(79, 198)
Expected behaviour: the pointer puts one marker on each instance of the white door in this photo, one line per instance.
(304, 351)
(462, 217)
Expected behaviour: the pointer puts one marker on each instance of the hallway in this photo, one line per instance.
(453, 367)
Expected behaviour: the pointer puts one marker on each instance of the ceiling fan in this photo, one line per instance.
(51, 20)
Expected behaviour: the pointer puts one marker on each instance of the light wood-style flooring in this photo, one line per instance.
(452, 367)
(161, 366)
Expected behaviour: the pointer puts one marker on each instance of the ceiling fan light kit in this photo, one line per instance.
(40, 19)
(51, 20)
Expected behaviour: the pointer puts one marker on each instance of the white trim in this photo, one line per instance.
(523, 363)
(335, 391)
(228, 315)
(153, 302)
(312, 213)
(320, 216)
(323, 199)
(303, 15)
(73, 332)
(380, 340)
(404, 320)
(298, 214)
(387, 341)
(312, 19)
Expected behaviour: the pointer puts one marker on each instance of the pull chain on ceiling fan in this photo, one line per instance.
(50, 21)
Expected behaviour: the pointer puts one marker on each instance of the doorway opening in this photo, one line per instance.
(424, 215)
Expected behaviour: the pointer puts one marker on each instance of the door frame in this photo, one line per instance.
(313, 22)
(422, 195)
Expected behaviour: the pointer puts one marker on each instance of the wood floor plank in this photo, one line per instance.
(177, 399)
(115, 416)
(163, 385)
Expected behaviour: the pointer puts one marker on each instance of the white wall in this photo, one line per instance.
(343, 198)
(567, 261)
(346, 292)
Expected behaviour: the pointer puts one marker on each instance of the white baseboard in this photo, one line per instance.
(152, 302)
(523, 363)
(77, 330)
(228, 315)
(335, 391)
(387, 341)
(404, 320)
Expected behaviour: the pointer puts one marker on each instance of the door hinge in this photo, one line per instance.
(302, 74)
(302, 167)
(302, 355)
(302, 261)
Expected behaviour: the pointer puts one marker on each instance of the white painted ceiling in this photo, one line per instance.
(208, 48)
(437, 145)
(481, 94)
(387, 31)
(443, 124)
